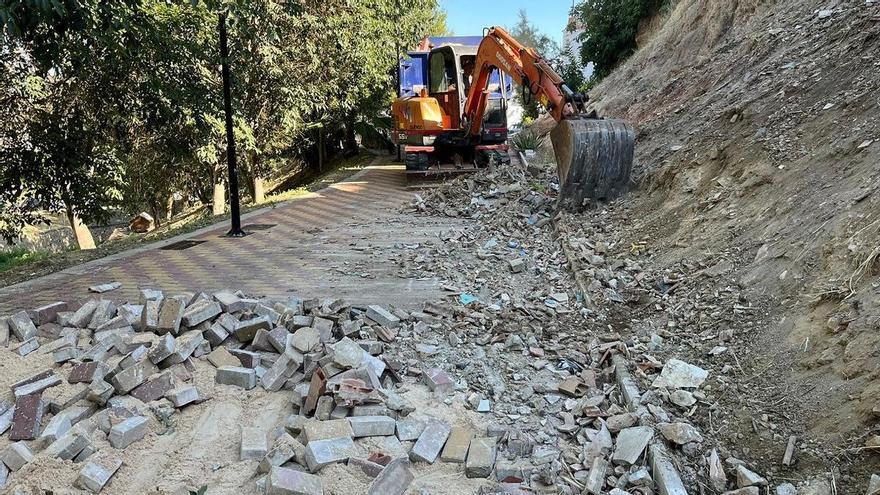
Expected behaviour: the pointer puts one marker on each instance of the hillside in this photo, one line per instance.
(758, 164)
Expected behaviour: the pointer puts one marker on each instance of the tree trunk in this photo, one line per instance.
(320, 150)
(350, 142)
(259, 192)
(81, 231)
(218, 205)
(169, 207)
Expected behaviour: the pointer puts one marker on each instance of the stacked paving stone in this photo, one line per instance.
(121, 370)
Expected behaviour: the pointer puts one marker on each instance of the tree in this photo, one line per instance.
(611, 29)
(530, 36)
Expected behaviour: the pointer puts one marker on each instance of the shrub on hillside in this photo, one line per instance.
(611, 27)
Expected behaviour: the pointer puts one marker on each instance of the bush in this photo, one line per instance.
(525, 140)
(611, 29)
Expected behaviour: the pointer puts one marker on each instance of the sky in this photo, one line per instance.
(469, 17)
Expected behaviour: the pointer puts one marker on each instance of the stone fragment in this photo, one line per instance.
(6, 419)
(229, 302)
(149, 319)
(278, 339)
(679, 433)
(87, 372)
(4, 475)
(129, 431)
(216, 334)
(57, 427)
(788, 456)
(101, 288)
(65, 354)
(247, 359)
(372, 426)
(97, 473)
(200, 312)
(716, 472)
(170, 314)
(382, 316)
(184, 347)
(324, 452)
(245, 331)
(220, 357)
(104, 312)
(28, 346)
(161, 349)
(254, 443)
(285, 449)
(305, 340)
(183, 395)
(48, 313)
(27, 417)
(393, 480)
(347, 353)
(278, 374)
(457, 445)
(126, 380)
(245, 378)
(746, 477)
(283, 481)
(438, 380)
(366, 466)
(481, 457)
(631, 442)
(664, 472)
(573, 387)
(35, 384)
(22, 326)
(430, 442)
(409, 429)
(4, 332)
(100, 392)
(749, 490)
(324, 430)
(596, 479)
(82, 316)
(16, 455)
(67, 447)
(155, 388)
(679, 374)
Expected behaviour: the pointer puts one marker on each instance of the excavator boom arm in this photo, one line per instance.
(501, 50)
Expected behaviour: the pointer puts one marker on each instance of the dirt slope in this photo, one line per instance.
(758, 157)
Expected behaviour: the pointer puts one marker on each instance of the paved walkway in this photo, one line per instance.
(336, 242)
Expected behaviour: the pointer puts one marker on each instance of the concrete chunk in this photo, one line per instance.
(393, 480)
(97, 473)
(16, 455)
(254, 443)
(245, 378)
(82, 316)
(170, 315)
(286, 448)
(409, 429)
(323, 430)
(183, 395)
(481, 457)
(150, 315)
(245, 331)
(275, 377)
(161, 349)
(22, 326)
(430, 442)
(283, 481)
(631, 442)
(67, 447)
(221, 357)
(184, 347)
(382, 316)
(28, 346)
(324, 452)
(57, 427)
(129, 431)
(154, 388)
(664, 473)
(457, 445)
(126, 380)
(596, 480)
(372, 426)
(200, 312)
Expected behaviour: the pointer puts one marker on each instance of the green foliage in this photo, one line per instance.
(525, 140)
(531, 37)
(611, 29)
(17, 257)
(109, 106)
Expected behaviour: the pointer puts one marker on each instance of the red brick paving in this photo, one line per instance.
(274, 262)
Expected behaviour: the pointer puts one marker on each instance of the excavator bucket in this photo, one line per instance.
(594, 159)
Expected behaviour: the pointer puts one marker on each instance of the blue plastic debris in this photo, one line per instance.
(466, 298)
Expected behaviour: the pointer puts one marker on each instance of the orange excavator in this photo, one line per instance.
(450, 120)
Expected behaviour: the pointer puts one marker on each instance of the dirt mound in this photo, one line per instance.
(758, 158)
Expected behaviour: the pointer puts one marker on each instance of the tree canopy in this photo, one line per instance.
(114, 106)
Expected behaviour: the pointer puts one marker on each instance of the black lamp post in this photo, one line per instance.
(235, 229)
